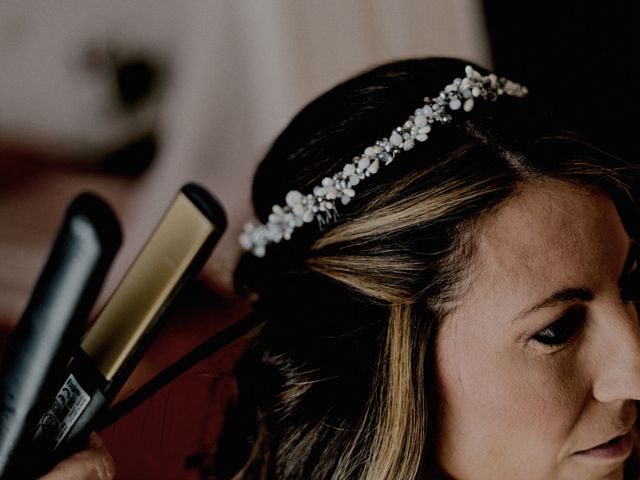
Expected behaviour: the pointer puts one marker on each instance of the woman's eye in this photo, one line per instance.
(562, 330)
(630, 285)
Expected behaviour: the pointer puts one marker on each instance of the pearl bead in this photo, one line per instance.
(395, 139)
(293, 198)
(363, 163)
(332, 193)
(349, 169)
(308, 216)
(245, 241)
(327, 182)
(468, 105)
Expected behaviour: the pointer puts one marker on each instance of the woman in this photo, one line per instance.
(465, 311)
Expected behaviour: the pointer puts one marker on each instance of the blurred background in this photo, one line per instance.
(132, 99)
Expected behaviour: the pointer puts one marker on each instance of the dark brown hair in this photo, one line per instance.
(338, 383)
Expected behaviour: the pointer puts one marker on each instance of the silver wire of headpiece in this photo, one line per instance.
(320, 204)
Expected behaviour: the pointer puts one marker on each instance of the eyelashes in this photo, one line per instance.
(562, 330)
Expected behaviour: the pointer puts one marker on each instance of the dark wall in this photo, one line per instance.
(580, 55)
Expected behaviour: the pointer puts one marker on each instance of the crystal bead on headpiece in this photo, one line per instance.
(320, 203)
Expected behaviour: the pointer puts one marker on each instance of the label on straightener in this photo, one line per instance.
(69, 403)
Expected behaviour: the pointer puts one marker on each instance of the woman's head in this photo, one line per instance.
(540, 360)
(379, 327)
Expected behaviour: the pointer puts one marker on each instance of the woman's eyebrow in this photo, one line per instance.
(561, 296)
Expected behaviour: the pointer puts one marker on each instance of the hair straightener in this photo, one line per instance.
(51, 326)
(123, 330)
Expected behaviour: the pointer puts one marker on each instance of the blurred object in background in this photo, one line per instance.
(82, 89)
(83, 81)
(34, 194)
(591, 48)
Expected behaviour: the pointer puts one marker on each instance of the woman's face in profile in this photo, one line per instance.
(539, 366)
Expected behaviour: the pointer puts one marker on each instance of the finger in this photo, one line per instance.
(93, 463)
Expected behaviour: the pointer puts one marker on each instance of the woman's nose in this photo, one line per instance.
(618, 365)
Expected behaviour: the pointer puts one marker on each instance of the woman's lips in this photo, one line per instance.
(618, 448)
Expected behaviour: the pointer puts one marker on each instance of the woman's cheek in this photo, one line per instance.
(506, 400)
(552, 393)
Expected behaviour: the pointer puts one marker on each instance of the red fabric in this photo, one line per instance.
(182, 420)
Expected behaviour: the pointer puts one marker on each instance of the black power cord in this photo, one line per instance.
(213, 344)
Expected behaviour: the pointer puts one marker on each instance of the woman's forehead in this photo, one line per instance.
(549, 219)
(550, 236)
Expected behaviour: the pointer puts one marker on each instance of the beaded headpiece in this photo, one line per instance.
(320, 203)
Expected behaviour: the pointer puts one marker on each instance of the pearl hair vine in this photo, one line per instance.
(320, 204)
